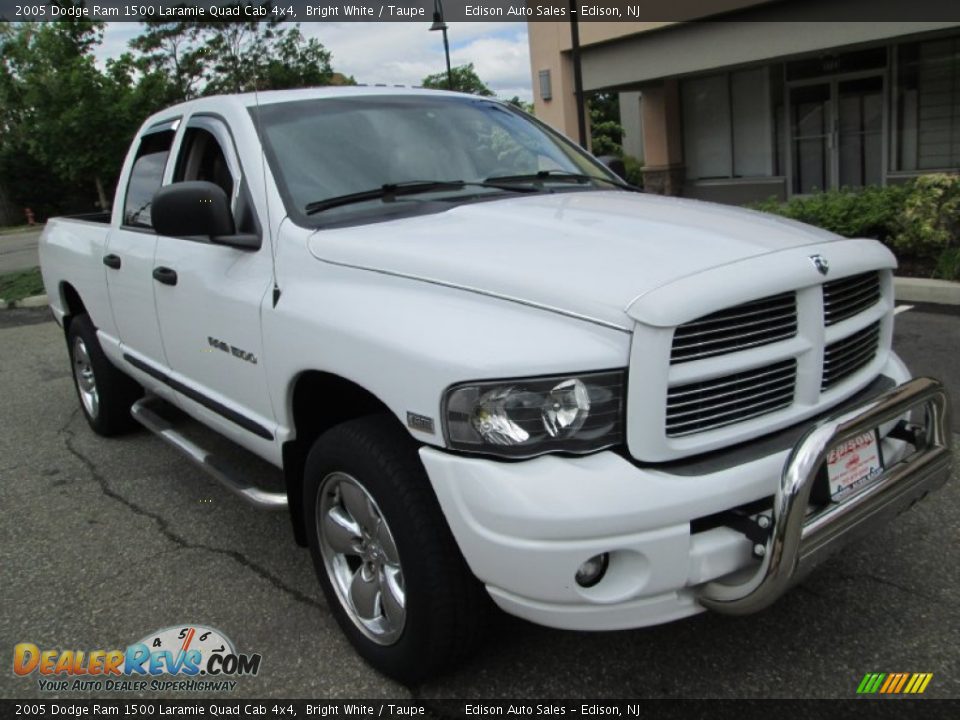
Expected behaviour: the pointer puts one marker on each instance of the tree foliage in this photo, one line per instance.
(606, 132)
(66, 121)
(465, 80)
(53, 98)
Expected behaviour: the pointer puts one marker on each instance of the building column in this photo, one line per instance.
(663, 170)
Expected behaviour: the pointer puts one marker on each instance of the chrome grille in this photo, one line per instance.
(700, 406)
(850, 296)
(755, 323)
(843, 358)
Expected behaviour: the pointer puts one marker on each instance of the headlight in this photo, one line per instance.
(532, 416)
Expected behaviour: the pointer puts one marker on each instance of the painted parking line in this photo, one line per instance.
(902, 309)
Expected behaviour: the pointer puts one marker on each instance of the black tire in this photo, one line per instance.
(446, 607)
(115, 392)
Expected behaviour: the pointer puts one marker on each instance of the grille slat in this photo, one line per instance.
(701, 405)
(723, 317)
(675, 393)
(763, 390)
(843, 358)
(759, 322)
(784, 386)
(850, 296)
(775, 321)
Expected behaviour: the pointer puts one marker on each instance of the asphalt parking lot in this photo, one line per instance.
(104, 541)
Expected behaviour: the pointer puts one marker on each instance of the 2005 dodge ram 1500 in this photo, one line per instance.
(487, 367)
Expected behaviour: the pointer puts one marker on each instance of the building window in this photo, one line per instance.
(928, 105)
(728, 128)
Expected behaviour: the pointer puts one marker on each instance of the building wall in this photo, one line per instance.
(651, 64)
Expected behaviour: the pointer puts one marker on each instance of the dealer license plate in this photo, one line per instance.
(854, 465)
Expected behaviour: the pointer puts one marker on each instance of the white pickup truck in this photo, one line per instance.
(487, 367)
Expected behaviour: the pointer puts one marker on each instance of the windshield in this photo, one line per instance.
(329, 148)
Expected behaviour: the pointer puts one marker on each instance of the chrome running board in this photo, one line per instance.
(206, 460)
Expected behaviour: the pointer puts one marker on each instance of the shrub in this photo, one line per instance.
(928, 226)
(919, 220)
(871, 212)
(948, 264)
(634, 168)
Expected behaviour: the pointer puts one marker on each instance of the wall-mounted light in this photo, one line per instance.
(545, 90)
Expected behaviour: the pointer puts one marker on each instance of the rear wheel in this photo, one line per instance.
(105, 392)
(389, 566)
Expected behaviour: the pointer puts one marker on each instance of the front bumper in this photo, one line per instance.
(525, 527)
(798, 542)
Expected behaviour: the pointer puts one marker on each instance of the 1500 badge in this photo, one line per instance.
(233, 350)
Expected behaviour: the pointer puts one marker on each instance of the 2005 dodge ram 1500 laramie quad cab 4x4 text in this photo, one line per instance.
(487, 367)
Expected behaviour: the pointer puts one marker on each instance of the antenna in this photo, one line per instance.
(266, 196)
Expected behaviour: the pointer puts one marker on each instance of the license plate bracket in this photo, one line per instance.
(854, 465)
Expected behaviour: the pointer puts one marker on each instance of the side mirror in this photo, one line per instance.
(198, 208)
(615, 165)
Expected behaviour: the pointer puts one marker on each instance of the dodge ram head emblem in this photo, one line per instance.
(820, 263)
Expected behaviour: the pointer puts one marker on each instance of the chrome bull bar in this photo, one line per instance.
(796, 542)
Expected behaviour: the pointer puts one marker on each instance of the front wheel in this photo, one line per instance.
(389, 566)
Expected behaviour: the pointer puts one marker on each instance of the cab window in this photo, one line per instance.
(202, 158)
(146, 176)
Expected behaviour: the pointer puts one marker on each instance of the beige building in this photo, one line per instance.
(755, 106)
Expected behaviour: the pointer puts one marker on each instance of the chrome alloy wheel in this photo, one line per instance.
(86, 382)
(361, 559)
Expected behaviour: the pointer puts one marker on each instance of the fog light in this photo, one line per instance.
(592, 571)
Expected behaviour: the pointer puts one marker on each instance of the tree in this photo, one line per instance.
(465, 79)
(606, 132)
(66, 122)
(527, 107)
(168, 50)
(208, 58)
(54, 99)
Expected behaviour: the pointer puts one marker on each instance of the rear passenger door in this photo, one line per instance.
(208, 299)
(131, 245)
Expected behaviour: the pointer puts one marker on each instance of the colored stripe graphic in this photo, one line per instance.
(894, 683)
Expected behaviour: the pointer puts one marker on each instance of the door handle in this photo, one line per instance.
(165, 275)
(112, 261)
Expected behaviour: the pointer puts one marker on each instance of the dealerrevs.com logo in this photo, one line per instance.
(186, 658)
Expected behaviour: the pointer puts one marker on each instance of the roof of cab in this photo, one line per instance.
(271, 97)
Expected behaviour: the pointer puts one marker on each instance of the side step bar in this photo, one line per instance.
(260, 499)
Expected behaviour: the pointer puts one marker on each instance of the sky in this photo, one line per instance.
(403, 53)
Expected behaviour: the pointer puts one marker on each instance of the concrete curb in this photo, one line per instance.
(923, 290)
(36, 301)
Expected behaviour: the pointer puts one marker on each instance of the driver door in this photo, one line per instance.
(209, 299)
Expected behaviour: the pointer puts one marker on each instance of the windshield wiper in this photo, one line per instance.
(561, 176)
(395, 190)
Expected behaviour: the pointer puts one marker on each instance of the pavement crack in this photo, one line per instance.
(164, 527)
(810, 591)
(884, 581)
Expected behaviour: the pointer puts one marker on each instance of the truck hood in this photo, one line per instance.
(590, 254)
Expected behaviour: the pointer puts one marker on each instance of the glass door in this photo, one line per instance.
(811, 123)
(836, 134)
(860, 132)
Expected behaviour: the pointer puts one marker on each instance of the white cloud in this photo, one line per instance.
(403, 53)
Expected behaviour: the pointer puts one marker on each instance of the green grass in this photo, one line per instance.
(19, 285)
